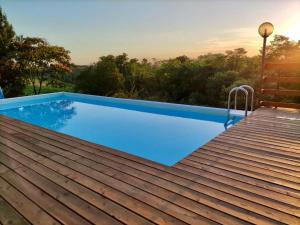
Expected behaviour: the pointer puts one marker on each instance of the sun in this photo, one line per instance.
(292, 30)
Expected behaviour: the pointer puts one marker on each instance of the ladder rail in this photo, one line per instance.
(252, 95)
(1, 93)
(247, 87)
(236, 90)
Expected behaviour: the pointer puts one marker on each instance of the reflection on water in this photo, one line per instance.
(51, 115)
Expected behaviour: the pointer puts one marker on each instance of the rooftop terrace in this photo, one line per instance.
(250, 174)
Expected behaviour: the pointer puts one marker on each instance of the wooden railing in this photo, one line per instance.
(278, 81)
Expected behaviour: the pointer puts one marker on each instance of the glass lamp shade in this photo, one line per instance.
(265, 29)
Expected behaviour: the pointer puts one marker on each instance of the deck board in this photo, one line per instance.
(8, 215)
(249, 174)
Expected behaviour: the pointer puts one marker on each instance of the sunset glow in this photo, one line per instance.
(293, 28)
(152, 29)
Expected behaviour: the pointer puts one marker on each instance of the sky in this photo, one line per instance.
(158, 29)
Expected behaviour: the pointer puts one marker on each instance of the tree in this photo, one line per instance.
(10, 77)
(235, 59)
(217, 61)
(205, 80)
(41, 61)
(102, 78)
(217, 87)
(282, 49)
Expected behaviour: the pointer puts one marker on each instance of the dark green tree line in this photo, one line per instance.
(204, 80)
(11, 79)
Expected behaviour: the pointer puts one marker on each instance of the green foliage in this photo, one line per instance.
(203, 81)
(10, 77)
(102, 78)
(183, 80)
(178, 79)
(217, 86)
(39, 62)
(48, 88)
(284, 50)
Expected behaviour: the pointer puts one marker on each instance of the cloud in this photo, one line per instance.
(243, 37)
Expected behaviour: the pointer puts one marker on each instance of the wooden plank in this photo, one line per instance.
(265, 141)
(231, 170)
(281, 79)
(252, 161)
(243, 169)
(114, 157)
(292, 154)
(101, 188)
(168, 173)
(280, 92)
(282, 66)
(86, 210)
(202, 210)
(7, 160)
(142, 195)
(281, 133)
(243, 175)
(276, 138)
(24, 206)
(88, 195)
(261, 138)
(260, 124)
(292, 122)
(3, 169)
(9, 216)
(52, 206)
(196, 196)
(249, 153)
(273, 133)
(204, 189)
(280, 104)
(281, 119)
(64, 146)
(287, 129)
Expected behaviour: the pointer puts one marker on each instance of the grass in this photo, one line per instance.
(49, 89)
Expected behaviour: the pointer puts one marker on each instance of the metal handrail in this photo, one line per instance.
(244, 88)
(1, 94)
(236, 90)
(252, 95)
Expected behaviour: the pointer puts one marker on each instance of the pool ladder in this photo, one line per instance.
(1, 93)
(244, 89)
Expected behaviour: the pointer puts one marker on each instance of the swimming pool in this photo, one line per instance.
(161, 132)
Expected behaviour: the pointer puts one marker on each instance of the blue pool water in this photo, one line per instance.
(161, 132)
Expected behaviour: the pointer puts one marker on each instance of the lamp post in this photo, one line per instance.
(264, 30)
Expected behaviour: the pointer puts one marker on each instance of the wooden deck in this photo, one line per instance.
(249, 174)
